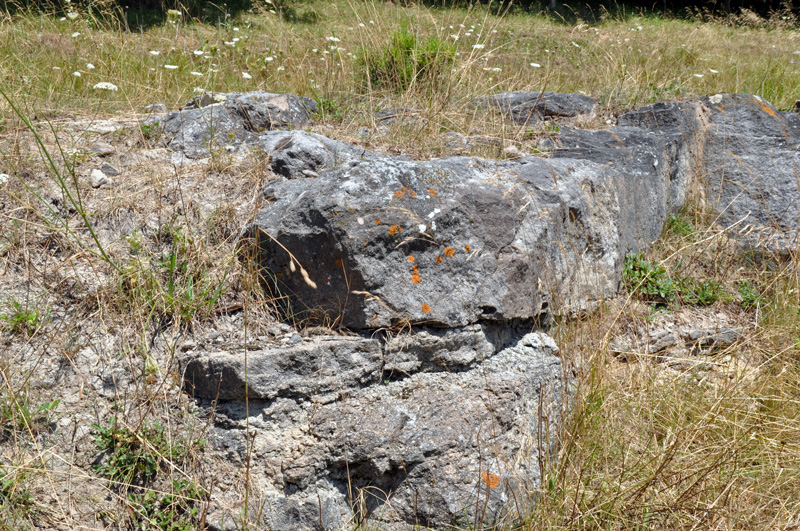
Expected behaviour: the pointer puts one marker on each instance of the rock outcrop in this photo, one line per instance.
(526, 107)
(433, 428)
(440, 410)
(230, 120)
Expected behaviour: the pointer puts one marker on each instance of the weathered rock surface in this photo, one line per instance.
(456, 442)
(222, 119)
(466, 255)
(455, 241)
(525, 107)
(750, 167)
(302, 154)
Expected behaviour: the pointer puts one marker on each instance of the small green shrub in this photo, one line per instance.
(135, 456)
(751, 298)
(18, 413)
(679, 225)
(406, 60)
(21, 319)
(647, 279)
(174, 511)
(706, 293)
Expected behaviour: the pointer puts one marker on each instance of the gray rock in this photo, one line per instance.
(98, 179)
(101, 149)
(493, 241)
(524, 107)
(750, 166)
(301, 154)
(303, 369)
(231, 119)
(422, 450)
(108, 169)
(389, 116)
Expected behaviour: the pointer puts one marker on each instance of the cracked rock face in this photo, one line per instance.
(433, 445)
(455, 241)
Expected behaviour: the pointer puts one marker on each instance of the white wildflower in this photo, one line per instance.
(575, 44)
(76, 74)
(713, 71)
(154, 52)
(105, 85)
(333, 39)
(698, 75)
(229, 43)
(269, 58)
(280, 68)
(536, 65)
(89, 66)
(198, 52)
(76, 34)
(478, 46)
(171, 67)
(3, 178)
(196, 73)
(246, 75)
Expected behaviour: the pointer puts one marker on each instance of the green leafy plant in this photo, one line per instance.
(679, 224)
(173, 511)
(648, 279)
(18, 413)
(21, 318)
(704, 293)
(134, 455)
(751, 298)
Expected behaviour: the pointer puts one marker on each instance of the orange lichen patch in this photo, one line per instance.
(467, 248)
(401, 193)
(411, 259)
(415, 278)
(413, 193)
(339, 262)
(426, 308)
(491, 480)
(335, 213)
(377, 222)
(432, 191)
(395, 229)
(438, 259)
(449, 252)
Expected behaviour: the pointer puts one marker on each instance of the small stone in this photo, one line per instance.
(108, 169)
(513, 152)
(156, 108)
(98, 179)
(101, 149)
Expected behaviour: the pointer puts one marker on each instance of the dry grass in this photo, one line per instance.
(713, 443)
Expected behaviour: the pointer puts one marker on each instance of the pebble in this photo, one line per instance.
(108, 169)
(98, 179)
(101, 149)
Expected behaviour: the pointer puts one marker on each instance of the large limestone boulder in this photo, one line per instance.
(456, 241)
